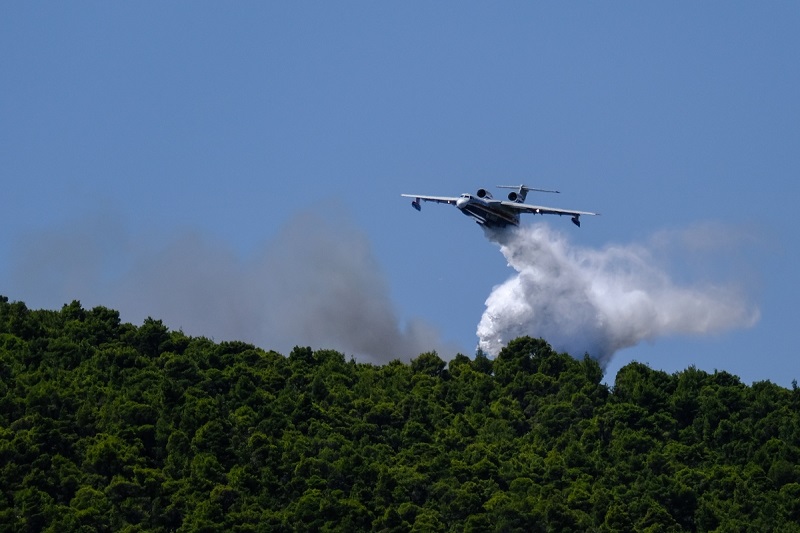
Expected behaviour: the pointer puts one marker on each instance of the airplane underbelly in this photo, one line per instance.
(490, 218)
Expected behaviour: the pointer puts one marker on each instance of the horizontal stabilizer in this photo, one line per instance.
(525, 188)
(521, 191)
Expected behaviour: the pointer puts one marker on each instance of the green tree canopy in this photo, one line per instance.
(108, 426)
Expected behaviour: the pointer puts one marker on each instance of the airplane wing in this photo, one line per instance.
(437, 199)
(542, 210)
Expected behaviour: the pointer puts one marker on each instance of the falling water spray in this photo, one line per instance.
(597, 301)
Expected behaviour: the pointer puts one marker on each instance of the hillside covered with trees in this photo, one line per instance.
(106, 426)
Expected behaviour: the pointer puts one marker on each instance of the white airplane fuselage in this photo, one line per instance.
(487, 211)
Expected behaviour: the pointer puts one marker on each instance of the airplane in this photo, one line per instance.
(492, 213)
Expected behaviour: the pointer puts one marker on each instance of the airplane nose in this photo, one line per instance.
(462, 202)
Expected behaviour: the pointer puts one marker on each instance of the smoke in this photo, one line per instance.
(599, 301)
(330, 290)
(316, 283)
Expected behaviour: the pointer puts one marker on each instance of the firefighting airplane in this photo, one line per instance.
(492, 213)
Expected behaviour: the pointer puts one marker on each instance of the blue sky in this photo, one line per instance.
(190, 142)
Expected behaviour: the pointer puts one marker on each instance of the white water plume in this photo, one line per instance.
(598, 301)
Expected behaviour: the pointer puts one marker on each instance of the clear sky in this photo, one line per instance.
(220, 165)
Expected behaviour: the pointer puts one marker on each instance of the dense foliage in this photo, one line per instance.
(106, 426)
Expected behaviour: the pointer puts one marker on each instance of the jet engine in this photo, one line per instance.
(483, 193)
(514, 197)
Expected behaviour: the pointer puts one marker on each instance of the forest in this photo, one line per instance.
(108, 426)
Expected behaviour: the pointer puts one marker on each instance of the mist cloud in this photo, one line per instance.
(316, 283)
(599, 301)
